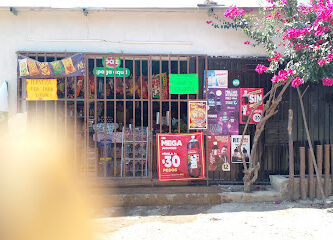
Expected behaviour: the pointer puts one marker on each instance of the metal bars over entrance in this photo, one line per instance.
(113, 113)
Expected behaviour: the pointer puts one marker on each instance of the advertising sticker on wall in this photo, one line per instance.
(197, 114)
(218, 152)
(217, 78)
(249, 97)
(245, 148)
(180, 156)
(223, 111)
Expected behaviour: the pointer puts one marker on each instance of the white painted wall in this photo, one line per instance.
(190, 26)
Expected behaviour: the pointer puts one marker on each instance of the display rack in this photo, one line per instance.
(135, 162)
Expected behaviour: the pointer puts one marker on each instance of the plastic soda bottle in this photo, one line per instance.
(193, 158)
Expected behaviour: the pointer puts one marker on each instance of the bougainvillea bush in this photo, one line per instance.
(297, 38)
(298, 41)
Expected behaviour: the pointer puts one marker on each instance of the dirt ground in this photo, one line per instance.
(270, 220)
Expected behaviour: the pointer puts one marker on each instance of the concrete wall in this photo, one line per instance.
(27, 30)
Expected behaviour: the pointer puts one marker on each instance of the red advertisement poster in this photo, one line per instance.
(249, 97)
(218, 147)
(180, 156)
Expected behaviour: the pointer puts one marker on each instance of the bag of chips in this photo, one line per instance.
(23, 65)
(57, 67)
(44, 67)
(68, 64)
(33, 69)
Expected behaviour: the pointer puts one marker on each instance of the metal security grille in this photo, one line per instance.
(112, 118)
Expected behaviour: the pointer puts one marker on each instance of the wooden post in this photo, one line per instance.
(311, 177)
(310, 144)
(320, 169)
(332, 167)
(327, 169)
(302, 172)
(291, 155)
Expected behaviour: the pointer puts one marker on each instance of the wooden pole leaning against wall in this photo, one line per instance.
(327, 169)
(291, 155)
(332, 168)
(320, 169)
(311, 176)
(302, 172)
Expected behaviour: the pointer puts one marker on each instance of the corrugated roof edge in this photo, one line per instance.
(116, 9)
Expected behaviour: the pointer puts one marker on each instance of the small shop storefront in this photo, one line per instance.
(136, 118)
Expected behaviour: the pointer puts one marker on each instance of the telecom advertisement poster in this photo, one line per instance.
(217, 78)
(223, 111)
(180, 156)
(249, 97)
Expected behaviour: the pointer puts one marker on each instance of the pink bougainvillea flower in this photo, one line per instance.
(319, 32)
(275, 79)
(283, 75)
(247, 42)
(278, 15)
(209, 22)
(270, 8)
(318, 42)
(330, 57)
(326, 29)
(304, 9)
(323, 12)
(233, 12)
(261, 68)
(321, 62)
(328, 82)
(269, 16)
(298, 47)
(290, 72)
(297, 81)
(283, 1)
(275, 57)
(293, 33)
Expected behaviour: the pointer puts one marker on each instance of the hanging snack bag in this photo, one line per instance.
(33, 69)
(44, 67)
(57, 67)
(165, 86)
(23, 65)
(68, 64)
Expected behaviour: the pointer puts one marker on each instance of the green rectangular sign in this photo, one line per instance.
(184, 83)
(110, 72)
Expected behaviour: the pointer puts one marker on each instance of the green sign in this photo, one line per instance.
(111, 63)
(184, 83)
(235, 82)
(110, 72)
